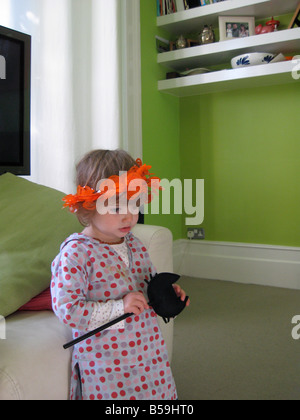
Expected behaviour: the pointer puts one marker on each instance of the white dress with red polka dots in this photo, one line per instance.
(128, 363)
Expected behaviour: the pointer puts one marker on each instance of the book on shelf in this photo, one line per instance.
(206, 2)
(166, 7)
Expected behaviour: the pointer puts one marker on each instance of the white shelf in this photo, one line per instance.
(192, 20)
(221, 53)
(218, 81)
(287, 42)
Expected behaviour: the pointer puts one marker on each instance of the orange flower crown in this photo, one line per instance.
(138, 176)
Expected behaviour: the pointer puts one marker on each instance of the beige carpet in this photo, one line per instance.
(234, 343)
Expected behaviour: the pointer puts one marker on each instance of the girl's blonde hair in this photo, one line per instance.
(96, 166)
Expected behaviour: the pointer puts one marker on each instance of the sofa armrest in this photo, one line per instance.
(33, 363)
(159, 242)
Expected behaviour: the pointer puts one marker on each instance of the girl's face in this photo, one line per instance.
(112, 226)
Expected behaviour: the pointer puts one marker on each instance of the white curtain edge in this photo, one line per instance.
(131, 78)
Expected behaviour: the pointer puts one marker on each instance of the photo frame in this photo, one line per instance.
(233, 27)
(296, 18)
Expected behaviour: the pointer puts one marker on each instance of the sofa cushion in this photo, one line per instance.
(41, 302)
(32, 227)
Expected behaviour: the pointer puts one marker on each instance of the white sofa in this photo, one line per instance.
(33, 363)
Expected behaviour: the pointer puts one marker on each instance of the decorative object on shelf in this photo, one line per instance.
(232, 27)
(193, 72)
(271, 26)
(296, 18)
(181, 42)
(207, 36)
(273, 23)
(254, 59)
(279, 57)
(260, 29)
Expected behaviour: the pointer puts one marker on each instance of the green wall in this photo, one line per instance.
(160, 117)
(244, 144)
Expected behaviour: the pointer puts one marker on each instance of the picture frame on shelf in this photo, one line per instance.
(233, 27)
(296, 18)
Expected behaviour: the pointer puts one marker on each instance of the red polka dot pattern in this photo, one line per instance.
(131, 363)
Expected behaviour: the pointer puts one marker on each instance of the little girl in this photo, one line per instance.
(99, 275)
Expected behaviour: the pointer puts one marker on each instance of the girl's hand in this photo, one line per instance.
(181, 293)
(135, 302)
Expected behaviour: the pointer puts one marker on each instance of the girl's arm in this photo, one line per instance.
(106, 312)
(69, 289)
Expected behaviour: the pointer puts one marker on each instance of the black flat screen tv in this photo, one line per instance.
(15, 71)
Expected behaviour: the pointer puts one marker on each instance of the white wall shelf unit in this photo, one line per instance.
(221, 53)
(224, 80)
(286, 42)
(189, 21)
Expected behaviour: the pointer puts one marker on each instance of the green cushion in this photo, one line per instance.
(32, 227)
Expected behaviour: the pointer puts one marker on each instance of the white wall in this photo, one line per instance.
(266, 265)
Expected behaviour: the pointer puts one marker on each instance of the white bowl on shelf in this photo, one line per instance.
(252, 59)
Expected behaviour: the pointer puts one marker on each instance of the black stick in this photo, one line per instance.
(96, 331)
(99, 329)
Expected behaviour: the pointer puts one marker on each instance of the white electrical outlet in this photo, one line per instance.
(196, 233)
(190, 234)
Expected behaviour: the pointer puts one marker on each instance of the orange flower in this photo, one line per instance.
(85, 196)
(142, 172)
(137, 177)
